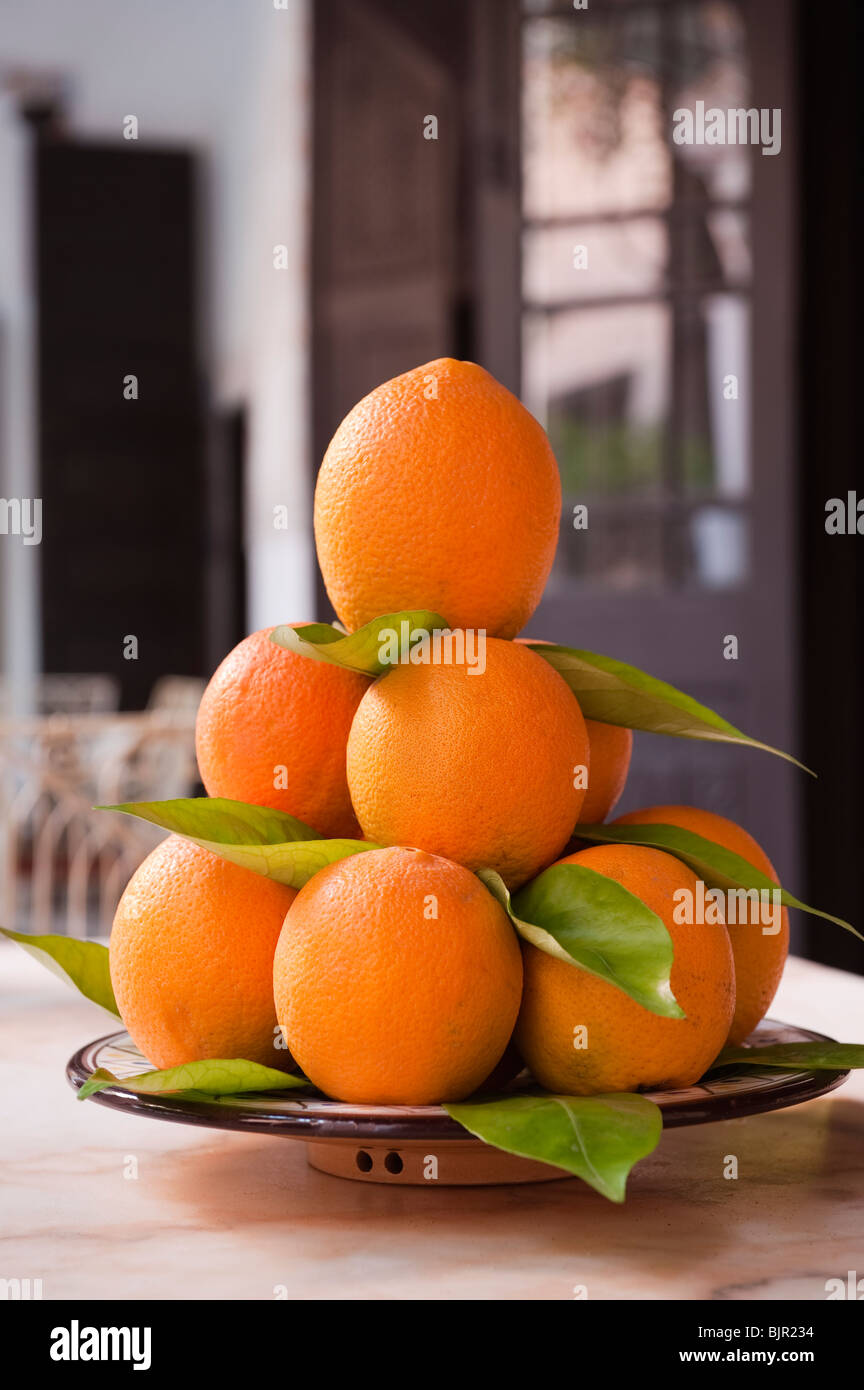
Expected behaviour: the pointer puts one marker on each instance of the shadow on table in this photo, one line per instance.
(792, 1201)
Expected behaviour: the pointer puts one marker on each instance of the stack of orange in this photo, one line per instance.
(395, 975)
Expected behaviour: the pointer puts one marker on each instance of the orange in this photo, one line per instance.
(191, 958)
(397, 979)
(439, 491)
(610, 748)
(627, 1045)
(477, 767)
(272, 729)
(759, 959)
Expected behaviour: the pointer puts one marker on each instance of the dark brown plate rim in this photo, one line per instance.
(725, 1094)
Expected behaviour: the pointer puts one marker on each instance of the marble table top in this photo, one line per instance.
(99, 1204)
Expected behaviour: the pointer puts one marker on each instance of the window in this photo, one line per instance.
(636, 289)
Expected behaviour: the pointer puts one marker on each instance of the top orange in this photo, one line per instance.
(439, 491)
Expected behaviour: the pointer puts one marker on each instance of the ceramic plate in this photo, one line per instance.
(721, 1095)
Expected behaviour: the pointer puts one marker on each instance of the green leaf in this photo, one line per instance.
(214, 1077)
(265, 841)
(716, 866)
(217, 818)
(615, 693)
(812, 1056)
(363, 650)
(590, 921)
(597, 1138)
(83, 964)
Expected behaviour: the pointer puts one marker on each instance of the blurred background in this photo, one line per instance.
(222, 222)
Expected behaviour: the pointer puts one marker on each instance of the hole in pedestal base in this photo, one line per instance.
(393, 1163)
(364, 1161)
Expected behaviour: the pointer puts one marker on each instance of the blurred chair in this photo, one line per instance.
(67, 694)
(73, 694)
(177, 693)
(64, 865)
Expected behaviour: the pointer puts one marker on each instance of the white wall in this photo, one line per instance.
(19, 563)
(281, 562)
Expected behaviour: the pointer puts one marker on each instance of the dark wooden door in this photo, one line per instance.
(122, 480)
